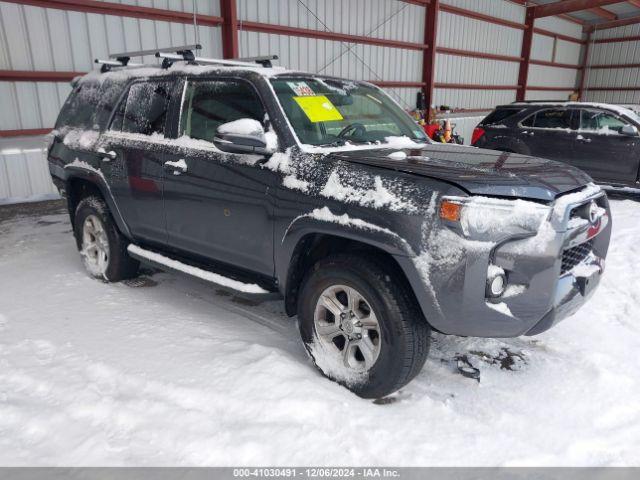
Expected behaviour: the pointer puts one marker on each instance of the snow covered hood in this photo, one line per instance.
(478, 171)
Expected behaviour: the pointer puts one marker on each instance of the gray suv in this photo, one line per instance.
(326, 193)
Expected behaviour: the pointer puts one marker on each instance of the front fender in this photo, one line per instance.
(323, 222)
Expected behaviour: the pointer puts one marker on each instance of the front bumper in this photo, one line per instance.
(550, 276)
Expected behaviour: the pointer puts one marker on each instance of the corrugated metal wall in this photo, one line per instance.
(46, 39)
(553, 49)
(611, 54)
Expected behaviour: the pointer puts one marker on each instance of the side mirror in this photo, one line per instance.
(245, 135)
(629, 130)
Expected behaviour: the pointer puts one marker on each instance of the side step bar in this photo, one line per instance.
(160, 260)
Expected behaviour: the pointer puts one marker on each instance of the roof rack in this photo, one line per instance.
(183, 53)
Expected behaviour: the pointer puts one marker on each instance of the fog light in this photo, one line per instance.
(496, 281)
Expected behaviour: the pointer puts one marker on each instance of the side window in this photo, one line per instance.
(553, 118)
(145, 109)
(501, 114)
(80, 108)
(209, 104)
(600, 122)
(529, 121)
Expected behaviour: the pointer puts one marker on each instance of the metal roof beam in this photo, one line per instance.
(603, 13)
(568, 6)
(613, 24)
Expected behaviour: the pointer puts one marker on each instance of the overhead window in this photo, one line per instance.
(145, 110)
(209, 104)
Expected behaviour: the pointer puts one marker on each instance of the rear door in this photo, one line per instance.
(136, 136)
(218, 205)
(603, 151)
(550, 133)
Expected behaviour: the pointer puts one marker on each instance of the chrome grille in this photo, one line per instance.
(573, 256)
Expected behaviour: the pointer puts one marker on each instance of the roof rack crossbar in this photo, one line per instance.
(264, 60)
(205, 61)
(155, 51)
(107, 65)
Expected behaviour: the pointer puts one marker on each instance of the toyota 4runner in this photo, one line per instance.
(326, 192)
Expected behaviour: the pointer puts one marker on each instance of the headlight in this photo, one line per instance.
(490, 219)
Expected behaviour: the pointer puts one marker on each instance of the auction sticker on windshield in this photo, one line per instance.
(318, 108)
(301, 89)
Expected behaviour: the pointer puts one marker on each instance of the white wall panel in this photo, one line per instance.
(547, 95)
(204, 7)
(48, 39)
(455, 31)
(544, 76)
(626, 31)
(457, 98)
(27, 105)
(496, 8)
(614, 53)
(560, 25)
(389, 19)
(24, 176)
(613, 97)
(457, 69)
(355, 61)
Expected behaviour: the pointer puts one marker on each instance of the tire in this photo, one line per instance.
(383, 359)
(102, 247)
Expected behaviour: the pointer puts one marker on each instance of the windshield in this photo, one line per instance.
(327, 112)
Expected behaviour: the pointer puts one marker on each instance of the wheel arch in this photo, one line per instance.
(79, 184)
(304, 245)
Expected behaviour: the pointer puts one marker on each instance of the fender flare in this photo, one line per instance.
(95, 177)
(365, 233)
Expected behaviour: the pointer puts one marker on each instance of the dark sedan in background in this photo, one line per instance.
(600, 139)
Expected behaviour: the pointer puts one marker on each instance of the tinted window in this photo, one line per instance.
(553, 118)
(145, 109)
(79, 109)
(499, 115)
(209, 104)
(603, 122)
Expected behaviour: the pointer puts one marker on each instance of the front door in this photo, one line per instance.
(218, 205)
(550, 133)
(603, 151)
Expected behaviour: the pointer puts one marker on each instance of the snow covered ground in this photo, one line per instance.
(170, 371)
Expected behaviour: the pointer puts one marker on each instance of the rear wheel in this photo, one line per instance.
(361, 326)
(102, 247)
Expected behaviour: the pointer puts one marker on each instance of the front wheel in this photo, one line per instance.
(361, 326)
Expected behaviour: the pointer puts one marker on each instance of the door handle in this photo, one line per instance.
(177, 167)
(107, 156)
(531, 134)
(580, 138)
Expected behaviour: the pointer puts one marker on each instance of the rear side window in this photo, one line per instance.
(499, 115)
(145, 109)
(552, 118)
(209, 104)
(80, 108)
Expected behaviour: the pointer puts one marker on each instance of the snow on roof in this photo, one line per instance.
(619, 109)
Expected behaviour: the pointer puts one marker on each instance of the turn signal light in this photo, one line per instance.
(450, 211)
